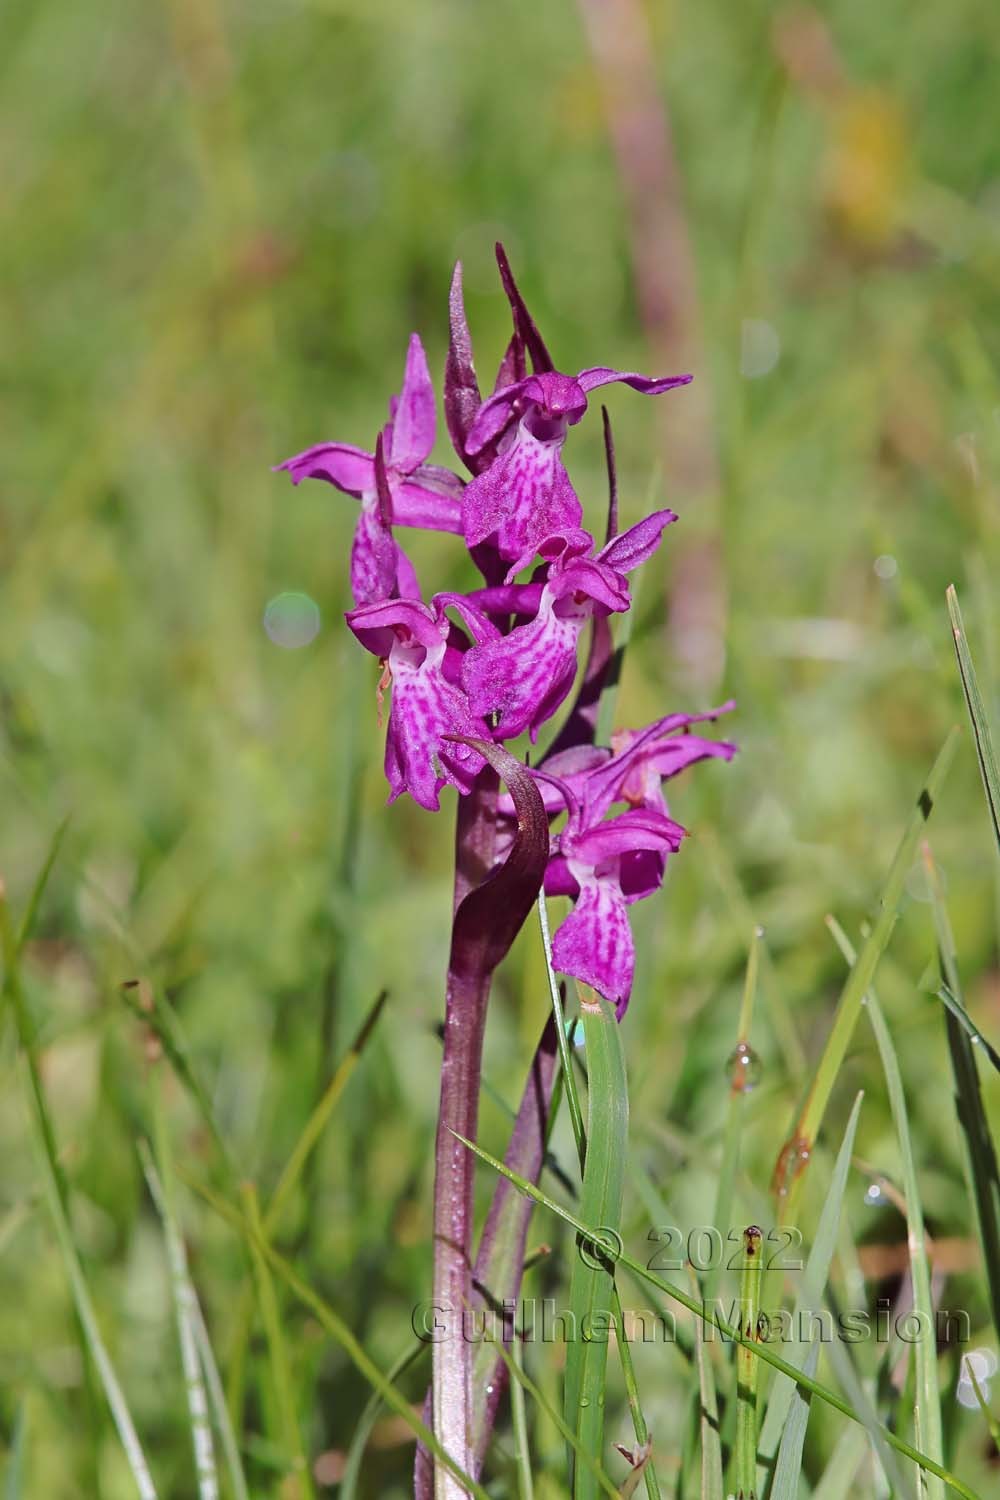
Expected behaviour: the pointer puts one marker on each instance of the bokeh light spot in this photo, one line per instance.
(292, 620)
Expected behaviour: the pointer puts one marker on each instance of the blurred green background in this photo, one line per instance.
(220, 224)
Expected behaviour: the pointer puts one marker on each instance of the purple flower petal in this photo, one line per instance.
(349, 469)
(524, 676)
(648, 385)
(415, 505)
(523, 322)
(461, 388)
(638, 544)
(594, 943)
(523, 496)
(374, 557)
(413, 421)
(425, 708)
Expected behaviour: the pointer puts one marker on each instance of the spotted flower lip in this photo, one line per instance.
(606, 865)
(525, 494)
(524, 676)
(396, 486)
(428, 707)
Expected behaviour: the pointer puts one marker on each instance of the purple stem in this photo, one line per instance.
(490, 908)
(464, 1026)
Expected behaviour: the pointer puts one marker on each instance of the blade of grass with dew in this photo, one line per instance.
(741, 1081)
(927, 1410)
(591, 1279)
(968, 1025)
(183, 1296)
(983, 1175)
(810, 1296)
(338, 1331)
(793, 1158)
(281, 1373)
(748, 1368)
(977, 712)
(14, 1482)
(369, 1416)
(585, 1459)
(785, 1485)
(591, 1233)
(57, 1196)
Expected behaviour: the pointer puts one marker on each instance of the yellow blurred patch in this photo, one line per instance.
(866, 167)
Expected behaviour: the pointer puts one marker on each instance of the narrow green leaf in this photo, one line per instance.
(14, 1482)
(809, 1299)
(27, 926)
(592, 1279)
(712, 1480)
(183, 1295)
(586, 1459)
(977, 713)
(320, 1117)
(281, 1373)
(789, 1465)
(591, 1233)
(56, 1193)
(519, 1422)
(740, 1083)
(991, 1421)
(339, 1332)
(363, 1426)
(927, 1412)
(968, 1025)
(983, 1175)
(789, 1171)
(748, 1367)
(837, 1480)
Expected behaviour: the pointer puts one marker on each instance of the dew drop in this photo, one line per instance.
(584, 1401)
(743, 1068)
(874, 1196)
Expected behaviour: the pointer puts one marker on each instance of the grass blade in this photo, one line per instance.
(712, 1481)
(320, 1117)
(519, 1421)
(740, 1084)
(789, 1465)
(280, 1369)
(592, 1278)
(980, 1152)
(747, 1368)
(183, 1298)
(339, 1332)
(568, 1076)
(927, 1410)
(837, 1479)
(363, 1427)
(789, 1171)
(811, 1294)
(14, 1484)
(977, 713)
(591, 1233)
(56, 1193)
(27, 926)
(587, 1461)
